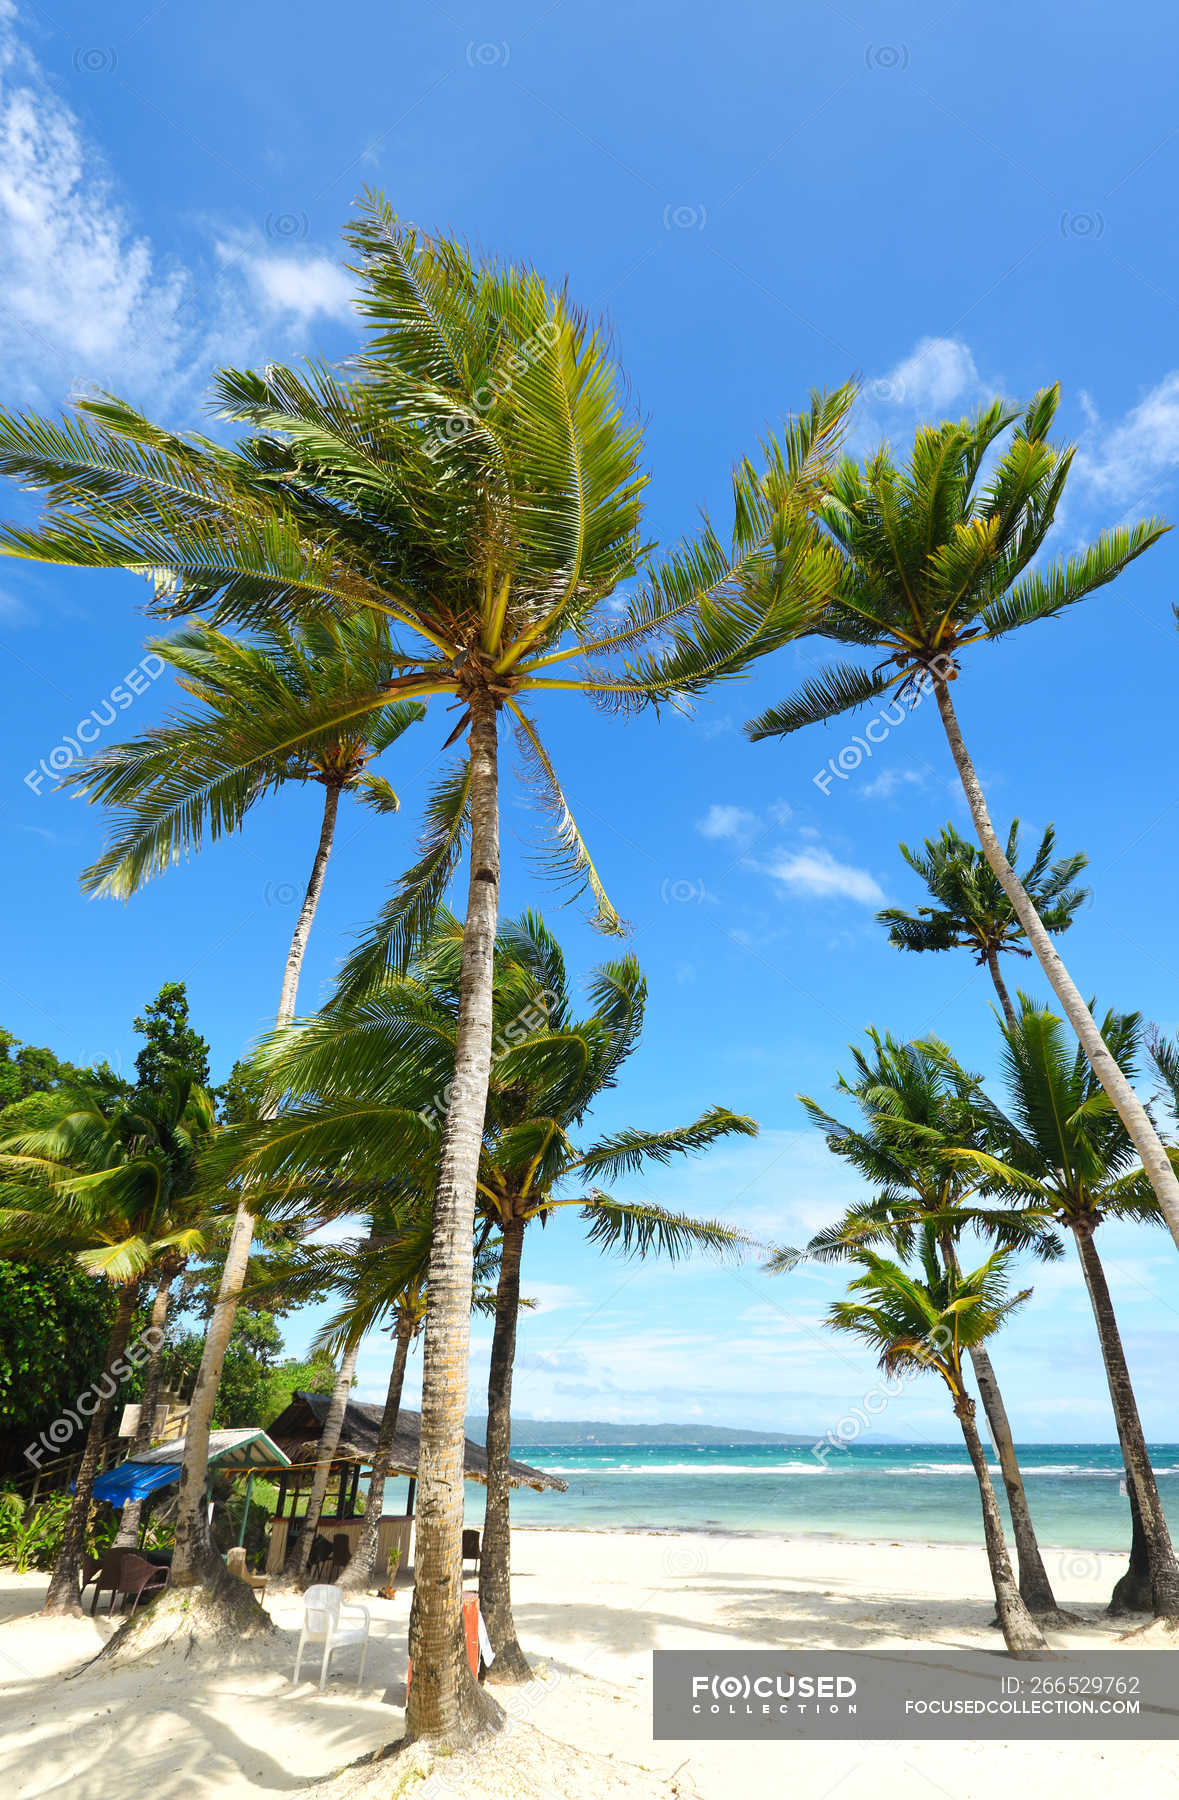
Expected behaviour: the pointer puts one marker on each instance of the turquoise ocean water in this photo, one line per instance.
(917, 1493)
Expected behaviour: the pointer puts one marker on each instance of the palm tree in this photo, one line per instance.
(356, 1079)
(1061, 1146)
(111, 1183)
(935, 559)
(913, 1112)
(924, 1323)
(258, 725)
(381, 1282)
(972, 910)
(479, 484)
(255, 729)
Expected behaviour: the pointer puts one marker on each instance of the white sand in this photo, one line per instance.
(590, 1608)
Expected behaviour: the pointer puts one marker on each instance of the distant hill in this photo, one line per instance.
(540, 1434)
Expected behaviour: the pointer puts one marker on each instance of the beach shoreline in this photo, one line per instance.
(590, 1607)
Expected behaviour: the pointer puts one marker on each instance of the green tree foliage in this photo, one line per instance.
(172, 1046)
(54, 1324)
(255, 1384)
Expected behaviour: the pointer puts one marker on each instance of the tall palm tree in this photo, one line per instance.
(935, 559)
(380, 1282)
(973, 912)
(356, 1078)
(256, 728)
(924, 1322)
(479, 484)
(113, 1184)
(258, 724)
(913, 1111)
(1060, 1145)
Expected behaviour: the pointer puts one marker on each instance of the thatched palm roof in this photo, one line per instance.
(296, 1432)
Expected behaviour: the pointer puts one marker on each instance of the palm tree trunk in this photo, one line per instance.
(1164, 1570)
(1021, 1634)
(329, 1439)
(1034, 1584)
(445, 1704)
(1001, 985)
(65, 1594)
(361, 1568)
(294, 968)
(495, 1550)
(194, 1558)
(128, 1532)
(1125, 1101)
(1133, 1591)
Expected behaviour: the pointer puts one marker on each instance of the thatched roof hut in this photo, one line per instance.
(297, 1429)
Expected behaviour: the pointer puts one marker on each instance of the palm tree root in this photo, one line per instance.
(217, 1619)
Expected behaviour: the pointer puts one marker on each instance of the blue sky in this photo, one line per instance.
(946, 202)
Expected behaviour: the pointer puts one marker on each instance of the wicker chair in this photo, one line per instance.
(137, 1578)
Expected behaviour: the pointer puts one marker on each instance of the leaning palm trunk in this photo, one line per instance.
(1001, 985)
(1021, 1634)
(194, 1558)
(445, 1704)
(1164, 1570)
(128, 1532)
(1034, 1584)
(1124, 1100)
(495, 1557)
(361, 1567)
(329, 1440)
(302, 931)
(64, 1583)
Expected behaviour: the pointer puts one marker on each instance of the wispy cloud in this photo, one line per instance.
(889, 782)
(819, 875)
(305, 286)
(1137, 451)
(90, 301)
(734, 823)
(938, 372)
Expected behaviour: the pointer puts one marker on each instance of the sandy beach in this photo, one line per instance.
(591, 1607)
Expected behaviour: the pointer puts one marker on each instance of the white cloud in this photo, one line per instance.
(90, 301)
(84, 296)
(305, 286)
(817, 874)
(1143, 447)
(936, 373)
(887, 783)
(727, 822)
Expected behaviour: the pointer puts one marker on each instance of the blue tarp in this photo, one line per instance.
(134, 1481)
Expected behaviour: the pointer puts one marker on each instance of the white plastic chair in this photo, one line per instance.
(325, 1621)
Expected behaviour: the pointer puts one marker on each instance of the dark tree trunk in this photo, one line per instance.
(495, 1550)
(1034, 1584)
(1134, 1592)
(361, 1569)
(65, 1591)
(1164, 1571)
(446, 1705)
(1021, 1634)
(329, 1441)
(1001, 985)
(128, 1533)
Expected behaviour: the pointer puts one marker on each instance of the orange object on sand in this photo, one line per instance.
(470, 1632)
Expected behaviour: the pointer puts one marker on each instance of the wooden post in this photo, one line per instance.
(409, 1498)
(353, 1489)
(241, 1536)
(282, 1495)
